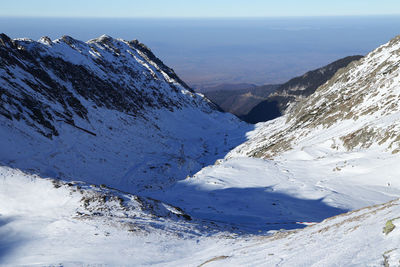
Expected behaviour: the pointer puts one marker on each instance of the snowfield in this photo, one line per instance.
(51, 223)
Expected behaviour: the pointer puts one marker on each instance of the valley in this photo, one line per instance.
(108, 157)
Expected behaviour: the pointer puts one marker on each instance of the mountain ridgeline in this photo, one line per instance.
(44, 68)
(292, 91)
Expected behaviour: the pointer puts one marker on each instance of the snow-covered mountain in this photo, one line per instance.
(330, 164)
(107, 112)
(356, 110)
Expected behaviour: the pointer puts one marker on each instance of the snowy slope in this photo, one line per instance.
(50, 222)
(105, 111)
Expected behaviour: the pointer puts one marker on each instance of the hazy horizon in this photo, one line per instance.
(206, 52)
(191, 9)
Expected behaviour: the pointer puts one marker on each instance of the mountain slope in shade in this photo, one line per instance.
(226, 87)
(240, 102)
(294, 90)
(105, 111)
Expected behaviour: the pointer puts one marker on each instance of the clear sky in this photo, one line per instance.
(196, 8)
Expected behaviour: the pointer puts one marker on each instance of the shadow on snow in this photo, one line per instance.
(9, 239)
(250, 210)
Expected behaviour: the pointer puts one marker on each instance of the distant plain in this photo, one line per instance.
(207, 52)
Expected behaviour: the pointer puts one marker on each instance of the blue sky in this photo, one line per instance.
(196, 8)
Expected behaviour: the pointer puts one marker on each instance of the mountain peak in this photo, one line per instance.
(68, 39)
(103, 39)
(45, 40)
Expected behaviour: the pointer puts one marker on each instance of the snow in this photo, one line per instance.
(354, 239)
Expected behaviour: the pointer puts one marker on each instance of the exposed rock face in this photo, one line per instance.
(108, 104)
(357, 109)
(294, 90)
